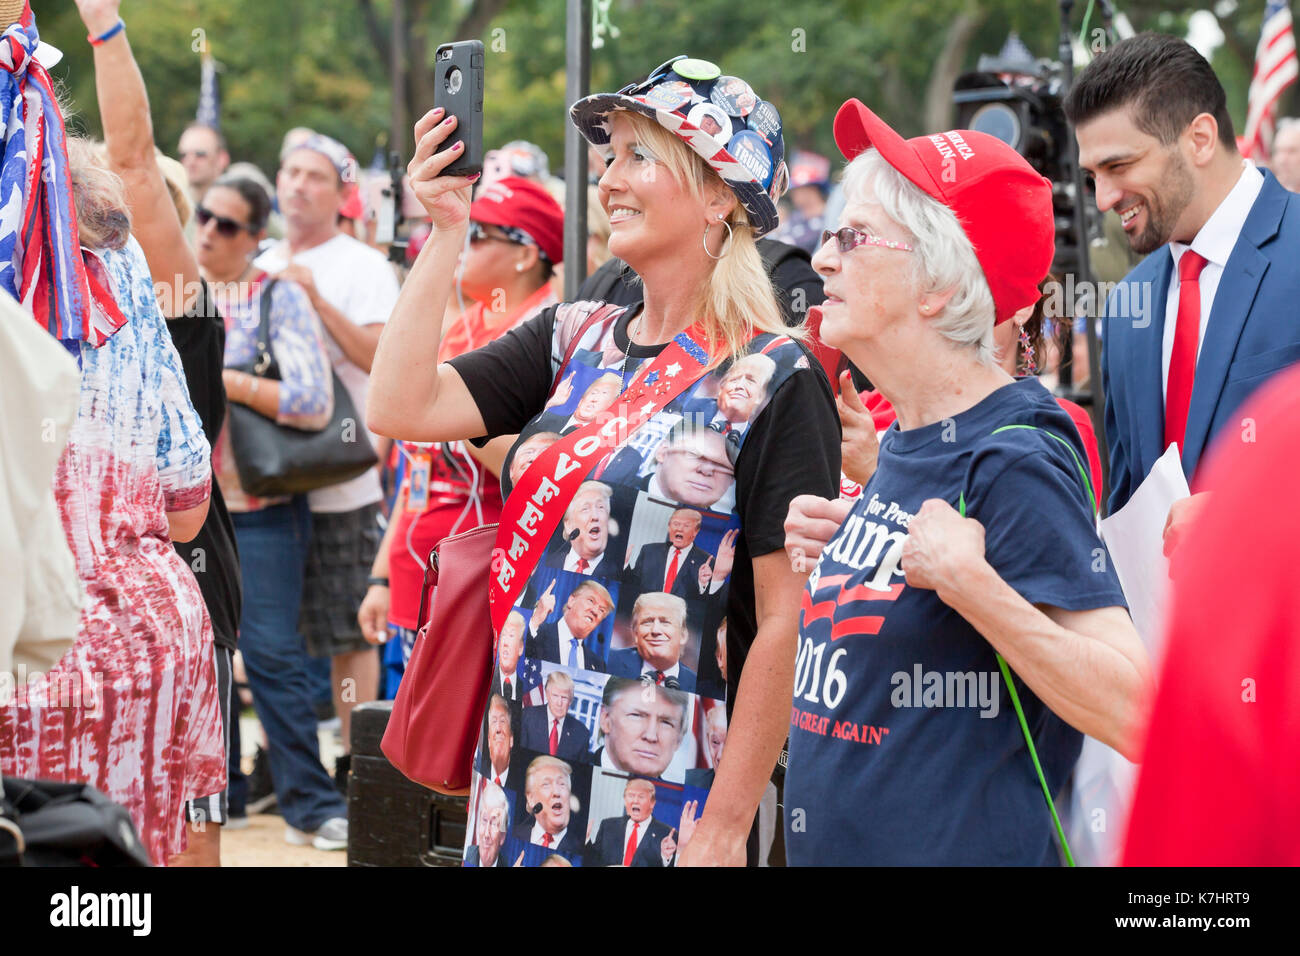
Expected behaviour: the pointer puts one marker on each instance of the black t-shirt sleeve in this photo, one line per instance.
(510, 377)
(200, 340)
(793, 449)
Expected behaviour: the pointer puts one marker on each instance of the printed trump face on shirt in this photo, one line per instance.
(639, 799)
(643, 726)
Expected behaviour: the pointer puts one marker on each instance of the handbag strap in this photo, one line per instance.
(264, 364)
(1005, 668)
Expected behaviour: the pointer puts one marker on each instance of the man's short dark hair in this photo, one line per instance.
(1163, 78)
(221, 137)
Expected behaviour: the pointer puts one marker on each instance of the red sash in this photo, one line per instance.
(538, 502)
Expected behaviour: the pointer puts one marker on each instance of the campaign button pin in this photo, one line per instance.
(669, 96)
(710, 119)
(751, 152)
(734, 95)
(766, 122)
(702, 70)
(780, 182)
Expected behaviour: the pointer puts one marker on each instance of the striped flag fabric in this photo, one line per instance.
(209, 111)
(1276, 68)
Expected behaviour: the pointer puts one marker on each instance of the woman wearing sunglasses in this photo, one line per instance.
(516, 233)
(272, 533)
(970, 563)
(701, 543)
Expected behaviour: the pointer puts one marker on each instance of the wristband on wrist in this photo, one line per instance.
(108, 34)
(381, 582)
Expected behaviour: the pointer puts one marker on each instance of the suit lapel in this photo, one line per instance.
(1147, 385)
(1232, 303)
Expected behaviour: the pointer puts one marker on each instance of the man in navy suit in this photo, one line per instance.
(491, 829)
(561, 641)
(550, 729)
(1209, 316)
(635, 838)
(674, 565)
(659, 628)
(548, 782)
(585, 534)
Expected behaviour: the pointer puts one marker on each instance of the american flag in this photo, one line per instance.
(1275, 69)
(209, 111)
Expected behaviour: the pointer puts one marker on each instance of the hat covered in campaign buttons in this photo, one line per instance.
(1003, 205)
(719, 117)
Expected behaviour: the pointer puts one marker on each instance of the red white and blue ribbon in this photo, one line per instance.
(41, 262)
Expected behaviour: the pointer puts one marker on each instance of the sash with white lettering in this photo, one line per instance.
(538, 501)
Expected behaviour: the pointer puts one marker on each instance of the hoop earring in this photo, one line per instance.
(726, 244)
(1026, 347)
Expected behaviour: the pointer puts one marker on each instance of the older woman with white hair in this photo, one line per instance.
(686, 207)
(962, 627)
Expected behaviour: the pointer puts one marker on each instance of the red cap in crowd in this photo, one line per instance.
(523, 204)
(1003, 205)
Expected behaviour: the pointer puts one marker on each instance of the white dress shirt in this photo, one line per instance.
(539, 830)
(566, 639)
(513, 677)
(571, 561)
(1214, 242)
(648, 668)
(504, 775)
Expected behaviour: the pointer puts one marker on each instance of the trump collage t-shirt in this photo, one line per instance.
(613, 673)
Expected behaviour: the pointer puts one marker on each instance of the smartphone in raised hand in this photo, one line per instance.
(458, 89)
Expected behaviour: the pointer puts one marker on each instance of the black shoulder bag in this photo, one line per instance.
(275, 460)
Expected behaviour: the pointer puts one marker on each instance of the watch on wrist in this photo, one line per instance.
(372, 581)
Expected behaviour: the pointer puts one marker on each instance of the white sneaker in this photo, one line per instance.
(331, 835)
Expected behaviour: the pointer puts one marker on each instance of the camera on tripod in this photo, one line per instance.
(1017, 98)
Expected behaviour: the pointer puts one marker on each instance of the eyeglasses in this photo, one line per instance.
(479, 234)
(847, 239)
(225, 227)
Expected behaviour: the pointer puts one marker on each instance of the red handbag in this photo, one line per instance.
(443, 695)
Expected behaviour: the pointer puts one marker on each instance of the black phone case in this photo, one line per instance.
(458, 88)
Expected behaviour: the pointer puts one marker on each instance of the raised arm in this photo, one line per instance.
(128, 136)
(412, 396)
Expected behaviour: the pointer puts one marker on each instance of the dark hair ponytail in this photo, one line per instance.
(251, 191)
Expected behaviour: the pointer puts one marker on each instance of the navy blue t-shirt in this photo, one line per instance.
(904, 745)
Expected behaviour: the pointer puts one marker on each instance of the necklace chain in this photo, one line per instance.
(627, 351)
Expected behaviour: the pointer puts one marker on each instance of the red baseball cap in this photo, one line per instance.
(523, 204)
(1004, 206)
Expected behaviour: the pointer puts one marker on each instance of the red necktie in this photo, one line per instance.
(659, 677)
(582, 565)
(671, 576)
(555, 736)
(631, 845)
(546, 839)
(509, 694)
(1182, 360)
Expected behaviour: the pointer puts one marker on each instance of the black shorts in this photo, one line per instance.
(342, 551)
(213, 808)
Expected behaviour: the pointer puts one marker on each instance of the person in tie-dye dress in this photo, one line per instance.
(131, 708)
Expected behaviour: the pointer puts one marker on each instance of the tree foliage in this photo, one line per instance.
(325, 63)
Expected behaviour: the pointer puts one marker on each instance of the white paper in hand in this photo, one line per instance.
(1134, 535)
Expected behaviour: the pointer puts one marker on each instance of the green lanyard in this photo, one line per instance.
(1006, 671)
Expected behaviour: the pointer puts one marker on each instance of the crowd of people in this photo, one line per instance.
(789, 525)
